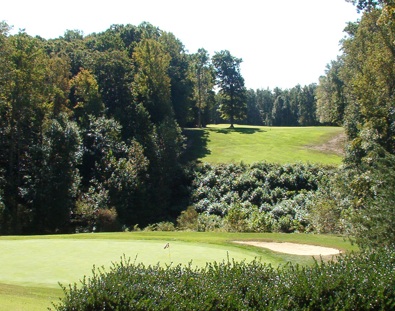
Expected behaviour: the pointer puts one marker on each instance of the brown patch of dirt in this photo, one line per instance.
(334, 145)
(293, 248)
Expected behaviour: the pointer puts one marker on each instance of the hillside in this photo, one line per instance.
(248, 144)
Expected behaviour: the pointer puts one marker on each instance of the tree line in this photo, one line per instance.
(277, 107)
(296, 106)
(88, 130)
(358, 93)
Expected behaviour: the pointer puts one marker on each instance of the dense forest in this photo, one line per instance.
(91, 127)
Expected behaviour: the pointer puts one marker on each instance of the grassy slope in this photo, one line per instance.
(219, 144)
(34, 264)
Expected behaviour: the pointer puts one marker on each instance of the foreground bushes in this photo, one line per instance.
(363, 281)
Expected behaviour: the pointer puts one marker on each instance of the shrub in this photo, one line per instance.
(107, 220)
(284, 224)
(84, 216)
(237, 219)
(208, 222)
(362, 281)
(91, 206)
(188, 220)
(161, 226)
(260, 222)
(325, 217)
(283, 191)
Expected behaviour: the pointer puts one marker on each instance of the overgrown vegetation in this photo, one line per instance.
(261, 197)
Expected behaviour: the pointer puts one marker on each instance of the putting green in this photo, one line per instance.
(45, 262)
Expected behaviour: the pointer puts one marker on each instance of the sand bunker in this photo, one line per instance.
(293, 248)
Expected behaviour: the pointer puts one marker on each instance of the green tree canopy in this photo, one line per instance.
(152, 82)
(369, 74)
(87, 96)
(331, 97)
(180, 82)
(203, 77)
(231, 86)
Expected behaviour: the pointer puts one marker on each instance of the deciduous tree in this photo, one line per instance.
(151, 81)
(331, 96)
(86, 95)
(307, 106)
(203, 77)
(369, 73)
(53, 181)
(58, 83)
(180, 82)
(231, 86)
(24, 106)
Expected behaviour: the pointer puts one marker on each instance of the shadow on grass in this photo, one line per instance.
(241, 130)
(197, 140)
(196, 144)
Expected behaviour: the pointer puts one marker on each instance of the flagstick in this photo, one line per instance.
(168, 247)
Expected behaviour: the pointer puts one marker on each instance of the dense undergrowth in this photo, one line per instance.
(360, 281)
(262, 197)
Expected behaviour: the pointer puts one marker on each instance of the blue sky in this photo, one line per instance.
(282, 43)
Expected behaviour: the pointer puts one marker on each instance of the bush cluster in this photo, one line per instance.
(361, 281)
(259, 197)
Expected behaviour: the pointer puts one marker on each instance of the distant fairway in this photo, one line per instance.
(248, 144)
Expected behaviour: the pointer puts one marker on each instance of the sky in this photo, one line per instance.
(282, 42)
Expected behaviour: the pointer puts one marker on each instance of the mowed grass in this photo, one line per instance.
(249, 144)
(31, 267)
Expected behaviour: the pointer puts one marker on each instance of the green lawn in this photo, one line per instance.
(248, 144)
(31, 267)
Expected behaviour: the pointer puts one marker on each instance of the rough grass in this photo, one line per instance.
(19, 298)
(249, 144)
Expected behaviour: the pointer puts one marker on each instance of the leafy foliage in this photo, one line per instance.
(152, 84)
(54, 181)
(260, 197)
(359, 90)
(372, 200)
(331, 98)
(87, 96)
(296, 106)
(361, 281)
(203, 76)
(231, 83)
(117, 90)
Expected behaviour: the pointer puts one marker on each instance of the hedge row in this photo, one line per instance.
(363, 281)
